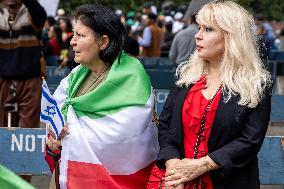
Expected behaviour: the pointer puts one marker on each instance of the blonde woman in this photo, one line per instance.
(215, 119)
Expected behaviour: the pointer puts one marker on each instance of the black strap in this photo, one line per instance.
(54, 156)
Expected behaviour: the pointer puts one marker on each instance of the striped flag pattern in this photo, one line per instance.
(113, 141)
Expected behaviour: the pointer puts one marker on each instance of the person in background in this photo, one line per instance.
(132, 46)
(152, 37)
(21, 23)
(100, 99)
(215, 119)
(59, 14)
(183, 44)
(50, 21)
(281, 38)
(178, 23)
(66, 55)
(53, 47)
(67, 30)
(262, 45)
(137, 27)
(149, 8)
(277, 41)
(168, 37)
(268, 33)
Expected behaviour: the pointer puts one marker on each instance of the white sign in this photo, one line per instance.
(50, 6)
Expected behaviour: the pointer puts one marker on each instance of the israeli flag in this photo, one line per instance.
(50, 112)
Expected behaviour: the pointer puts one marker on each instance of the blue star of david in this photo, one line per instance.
(50, 110)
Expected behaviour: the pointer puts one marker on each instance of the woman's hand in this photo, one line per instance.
(170, 165)
(51, 141)
(64, 132)
(185, 170)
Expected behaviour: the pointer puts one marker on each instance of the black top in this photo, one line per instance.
(236, 137)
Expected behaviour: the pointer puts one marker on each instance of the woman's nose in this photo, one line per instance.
(72, 42)
(198, 35)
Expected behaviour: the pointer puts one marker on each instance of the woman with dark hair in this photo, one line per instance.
(54, 43)
(66, 55)
(107, 104)
(50, 21)
(168, 38)
(132, 47)
(67, 30)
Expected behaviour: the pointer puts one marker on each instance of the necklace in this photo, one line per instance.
(89, 82)
(197, 182)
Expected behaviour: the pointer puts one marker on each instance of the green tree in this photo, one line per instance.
(125, 5)
(269, 9)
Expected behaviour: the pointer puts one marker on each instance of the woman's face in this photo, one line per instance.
(84, 44)
(62, 25)
(210, 43)
(51, 32)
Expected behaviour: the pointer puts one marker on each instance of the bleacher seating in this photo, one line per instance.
(54, 75)
(52, 60)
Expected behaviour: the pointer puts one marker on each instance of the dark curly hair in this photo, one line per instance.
(103, 21)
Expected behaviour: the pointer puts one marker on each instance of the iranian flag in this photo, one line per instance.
(113, 140)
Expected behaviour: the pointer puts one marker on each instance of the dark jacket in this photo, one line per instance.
(20, 49)
(236, 138)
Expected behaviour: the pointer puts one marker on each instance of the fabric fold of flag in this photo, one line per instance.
(113, 141)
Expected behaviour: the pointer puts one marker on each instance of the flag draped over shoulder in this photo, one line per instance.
(9, 180)
(113, 141)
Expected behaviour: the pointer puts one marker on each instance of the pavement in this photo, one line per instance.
(41, 182)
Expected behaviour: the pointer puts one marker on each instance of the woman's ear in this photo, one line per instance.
(104, 42)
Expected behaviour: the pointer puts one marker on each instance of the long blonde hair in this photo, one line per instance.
(242, 70)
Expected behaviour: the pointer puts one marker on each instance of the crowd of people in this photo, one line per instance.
(213, 122)
(150, 34)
